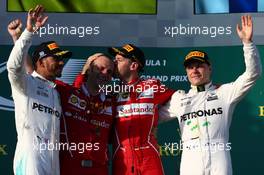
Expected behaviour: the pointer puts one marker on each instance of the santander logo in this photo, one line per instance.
(135, 109)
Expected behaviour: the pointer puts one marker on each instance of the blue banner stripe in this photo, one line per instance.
(261, 5)
(228, 6)
(211, 6)
(242, 6)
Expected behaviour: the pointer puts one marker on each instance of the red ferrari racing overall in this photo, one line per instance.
(85, 131)
(136, 149)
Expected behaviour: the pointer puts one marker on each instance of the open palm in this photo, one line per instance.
(245, 31)
(36, 18)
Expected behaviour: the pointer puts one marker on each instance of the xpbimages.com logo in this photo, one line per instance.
(117, 88)
(42, 144)
(174, 148)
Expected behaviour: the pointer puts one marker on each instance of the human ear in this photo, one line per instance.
(41, 63)
(134, 66)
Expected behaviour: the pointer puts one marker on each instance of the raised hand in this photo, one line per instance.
(15, 29)
(245, 31)
(36, 18)
(89, 61)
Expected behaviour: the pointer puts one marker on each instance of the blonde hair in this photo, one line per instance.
(95, 56)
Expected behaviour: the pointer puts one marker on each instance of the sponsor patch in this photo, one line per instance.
(128, 48)
(135, 109)
(42, 93)
(201, 113)
(52, 46)
(77, 102)
(68, 114)
(212, 97)
(186, 103)
(125, 94)
(45, 109)
(98, 123)
(147, 94)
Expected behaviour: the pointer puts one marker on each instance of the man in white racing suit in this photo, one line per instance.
(205, 112)
(37, 103)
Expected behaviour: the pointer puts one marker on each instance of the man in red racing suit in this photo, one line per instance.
(87, 125)
(135, 146)
(85, 130)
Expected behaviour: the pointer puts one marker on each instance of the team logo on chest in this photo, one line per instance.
(124, 94)
(149, 93)
(77, 102)
(212, 96)
(99, 107)
(186, 101)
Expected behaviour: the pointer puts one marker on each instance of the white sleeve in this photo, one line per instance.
(168, 110)
(244, 82)
(15, 63)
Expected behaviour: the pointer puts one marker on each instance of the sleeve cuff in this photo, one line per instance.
(26, 34)
(251, 44)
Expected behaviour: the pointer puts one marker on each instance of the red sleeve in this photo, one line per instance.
(79, 80)
(60, 86)
(163, 94)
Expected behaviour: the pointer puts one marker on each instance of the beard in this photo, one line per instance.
(58, 75)
(116, 72)
(58, 71)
